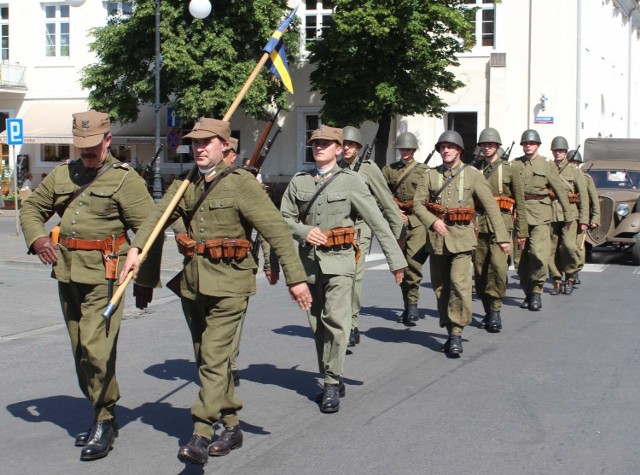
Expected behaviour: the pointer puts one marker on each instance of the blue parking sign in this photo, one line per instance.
(15, 135)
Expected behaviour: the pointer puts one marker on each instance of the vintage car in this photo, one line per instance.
(614, 165)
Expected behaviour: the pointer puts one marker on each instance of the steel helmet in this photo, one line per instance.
(559, 143)
(575, 156)
(352, 134)
(407, 140)
(450, 136)
(530, 135)
(490, 135)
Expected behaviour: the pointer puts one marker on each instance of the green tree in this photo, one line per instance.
(204, 62)
(380, 58)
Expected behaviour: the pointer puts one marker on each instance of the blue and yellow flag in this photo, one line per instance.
(277, 61)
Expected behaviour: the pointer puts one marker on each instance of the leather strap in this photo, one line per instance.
(91, 245)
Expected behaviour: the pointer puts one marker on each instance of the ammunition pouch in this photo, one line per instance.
(221, 248)
(340, 236)
(505, 203)
(407, 206)
(186, 245)
(451, 215)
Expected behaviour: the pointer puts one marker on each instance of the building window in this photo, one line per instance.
(4, 33)
(466, 124)
(484, 22)
(311, 123)
(55, 153)
(119, 9)
(313, 14)
(56, 31)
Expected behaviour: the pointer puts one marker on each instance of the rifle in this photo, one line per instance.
(361, 158)
(426, 161)
(257, 165)
(255, 156)
(570, 156)
(149, 167)
(507, 152)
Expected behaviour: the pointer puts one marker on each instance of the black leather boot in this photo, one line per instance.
(568, 287)
(485, 321)
(495, 322)
(536, 302)
(342, 390)
(412, 312)
(82, 437)
(330, 398)
(526, 302)
(236, 377)
(230, 439)
(455, 345)
(576, 279)
(354, 337)
(195, 451)
(100, 441)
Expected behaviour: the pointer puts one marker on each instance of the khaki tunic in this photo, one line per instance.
(116, 202)
(451, 255)
(415, 249)
(330, 271)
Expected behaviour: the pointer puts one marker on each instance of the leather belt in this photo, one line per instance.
(534, 197)
(91, 245)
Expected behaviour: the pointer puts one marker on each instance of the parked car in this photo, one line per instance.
(614, 165)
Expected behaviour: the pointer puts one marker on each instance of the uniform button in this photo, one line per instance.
(73, 233)
(201, 209)
(83, 195)
(77, 213)
(73, 222)
(80, 204)
(201, 230)
(202, 220)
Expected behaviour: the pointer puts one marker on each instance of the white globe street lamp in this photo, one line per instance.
(198, 8)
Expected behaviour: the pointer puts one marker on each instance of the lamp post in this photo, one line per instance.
(199, 9)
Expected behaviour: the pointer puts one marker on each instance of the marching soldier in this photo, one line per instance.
(321, 206)
(98, 199)
(219, 208)
(444, 203)
(540, 179)
(576, 159)
(564, 248)
(402, 178)
(490, 262)
(372, 176)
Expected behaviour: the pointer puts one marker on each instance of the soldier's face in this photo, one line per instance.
(529, 148)
(559, 154)
(208, 152)
(350, 150)
(93, 157)
(489, 149)
(450, 153)
(406, 154)
(325, 151)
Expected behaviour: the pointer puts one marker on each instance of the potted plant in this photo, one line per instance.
(10, 200)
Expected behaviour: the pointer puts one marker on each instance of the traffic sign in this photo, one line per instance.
(173, 119)
(15, 134)
(173, 139)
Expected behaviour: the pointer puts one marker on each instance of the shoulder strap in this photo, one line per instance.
(446, 183)
(189, 216)
(305, 211)
(80, 190)
(407, 173)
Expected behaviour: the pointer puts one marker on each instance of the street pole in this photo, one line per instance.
(157, 179)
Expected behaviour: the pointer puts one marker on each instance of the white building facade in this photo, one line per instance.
(562, 67)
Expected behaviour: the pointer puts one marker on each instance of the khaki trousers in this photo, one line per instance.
(451, 280)
(491, 266)
(563, 250)
(416, 254)
(532, 262)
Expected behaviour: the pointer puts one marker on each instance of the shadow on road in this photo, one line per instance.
(294, 330)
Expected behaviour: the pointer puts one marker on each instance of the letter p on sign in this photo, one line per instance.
(15, 135)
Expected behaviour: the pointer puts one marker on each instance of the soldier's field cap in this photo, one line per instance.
(327, 133)
(233, 144)
(206, 128)
(89, 128)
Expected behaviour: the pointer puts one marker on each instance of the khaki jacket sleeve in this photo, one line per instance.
(583, 191)
(421, 197)
(517, 190)
(594, 200)
(291, 213)
(560, 189)
(482, 191)
(380, 190)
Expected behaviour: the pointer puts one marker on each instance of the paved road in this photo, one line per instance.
(555, 392)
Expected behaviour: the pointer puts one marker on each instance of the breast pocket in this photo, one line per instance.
(101, 202)
(62, 194)
(338, 203)
(222, 210)
(539, 181)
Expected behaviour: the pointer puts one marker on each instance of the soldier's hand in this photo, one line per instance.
(439, 227)
(301, 295)
(46, 250)
(316, 237)
(505, 246)
(143, 295)
(131, 264)
(272, 277)
(399, 276)
(593, 225)
(522, 242)
(405, 218)
(583, 227)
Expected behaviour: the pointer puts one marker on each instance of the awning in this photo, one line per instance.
(51, 123)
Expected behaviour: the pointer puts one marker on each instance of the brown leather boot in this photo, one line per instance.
(194, 451)
(230, 439)
(557, 288)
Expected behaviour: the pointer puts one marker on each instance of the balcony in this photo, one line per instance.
(12, 76)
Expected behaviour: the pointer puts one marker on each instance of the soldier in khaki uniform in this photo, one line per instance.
(373, 178)
(402, 178)
(540, 179)
(490, 263)
(321, 207)
(576, 159)
(97, 198)
(564, 249)
(219, 275)
(444, 203)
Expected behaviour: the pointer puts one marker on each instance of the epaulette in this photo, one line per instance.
(124, 165)
(304, 172)
(71, 161)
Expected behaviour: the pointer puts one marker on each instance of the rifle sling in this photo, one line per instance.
(487, 176)
(305, 212)
(449, 180)
(80, 190)
(187, 217)
(403, 177)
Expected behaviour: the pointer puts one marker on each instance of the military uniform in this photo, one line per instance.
(114, 203)
(415, 250)
(563, 239)
(540, 177)
(375, 181)
(490, 263)
(594, 217)
(215, 291)
(450, 262)
(330, 270)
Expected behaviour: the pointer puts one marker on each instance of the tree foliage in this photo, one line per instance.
(380, 58)
(204, 62)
